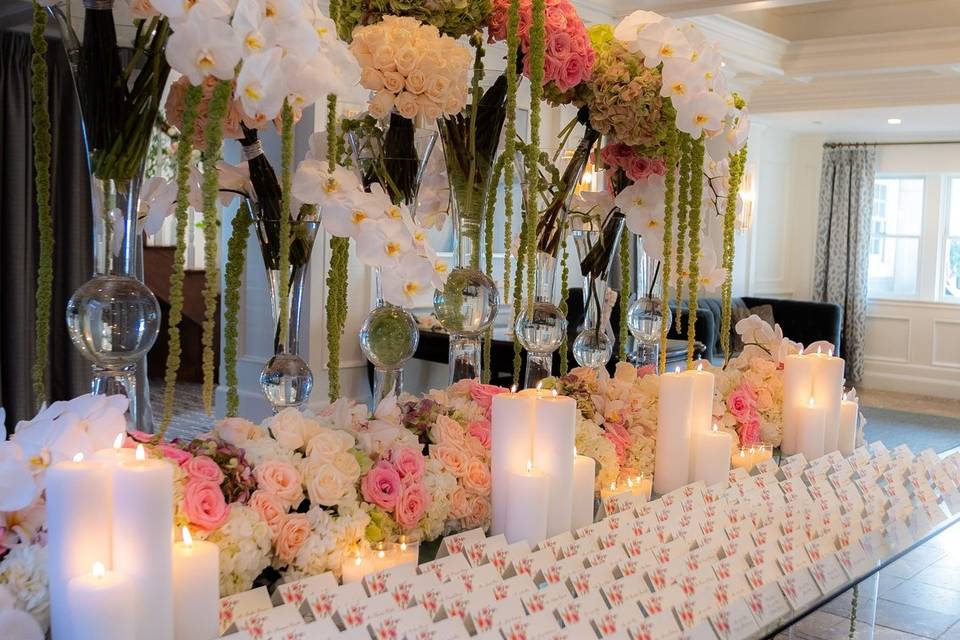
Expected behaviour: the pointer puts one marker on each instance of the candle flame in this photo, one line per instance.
(187, 538)
(613, 486)
(743, 454)
(812, 402)
(715, 426)
(540, 385)
(513, 389)
(555, 394)
(677, 369)
(381, 554)
(78, 457)
(630, 483)
(700, 366)
(830, 352)
(358, 560)
(118, 441)
(574, 452)
(845, 394)
(141, 454)
(98, 570)
(529, 467)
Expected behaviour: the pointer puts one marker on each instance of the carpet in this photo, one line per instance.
(918, 431)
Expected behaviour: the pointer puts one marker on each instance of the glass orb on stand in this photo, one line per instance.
(286, 381)
(540, 333)
(645, 321)
(388, 338)
(466, 306)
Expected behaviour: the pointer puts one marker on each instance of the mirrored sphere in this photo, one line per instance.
(468, 302)
(113, 320)
(645, 319)
(593, 348)
(389, 336)
(543, 330)
(286, 381)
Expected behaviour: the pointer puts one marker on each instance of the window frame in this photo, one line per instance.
(943, 234)
(920, 294)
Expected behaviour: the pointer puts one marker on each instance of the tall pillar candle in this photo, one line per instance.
(811, 428)
(712, 456)
(143, 541)
(511, 440)
(101, 606)
(797, 388)
(196, 589)
(674, 413)
(554, 438)
(849, 416)
(527, 506)
(78, 530)
(828, 393)
(584, 479)
(701, 414)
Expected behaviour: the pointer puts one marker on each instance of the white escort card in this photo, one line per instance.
(799, 588)
(539, 626)
(324, 604)
(297, 592)
(241, 605)
(446, 568)
(548, 599)
(767, 604)
(448, 629)
(400, 624)
(456, 543)
(734, 621)
(259, 624)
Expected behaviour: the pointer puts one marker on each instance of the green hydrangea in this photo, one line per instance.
(454, 18)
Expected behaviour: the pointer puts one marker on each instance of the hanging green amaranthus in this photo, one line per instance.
(236, 258)
(673, 153)
(537, 53)
(184, 151)
(513, 48)
(286, 180)
(683, 209)
(694, 224)
(40, 115)
(737, 165)
(518, 293)
(213, 139)
(624, 292)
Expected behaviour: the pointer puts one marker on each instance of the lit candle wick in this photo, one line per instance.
(700, 366)
(187, 538)
(358, 560)
(715, 426)
(141, 453)
(812, 402)
(78, 457)
(118, 441)
(99, 570)
(529, 467)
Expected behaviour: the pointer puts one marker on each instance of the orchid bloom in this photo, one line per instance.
(382, 243)
(260, 84)
(204, 47)
(629, 29)
(662, 41)
(703, 112)
(412, 277)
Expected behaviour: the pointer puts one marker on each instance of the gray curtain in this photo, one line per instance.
(67, 372)
(843, 238)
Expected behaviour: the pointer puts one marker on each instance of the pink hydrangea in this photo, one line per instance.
(569, 55)
(381, 486)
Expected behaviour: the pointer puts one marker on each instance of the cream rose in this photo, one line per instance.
(451, 457)
(383, 58)
(381, 104)
(371, 79)
(416, 82)
(280, 479)
(476, 477)
(346, 463)
(393, 82)
(407, 105)
(293, 533)
(428, 108)
(447, 431)
(288, 429)
(406, 59)
(237, 431)
(327, 443)
(326, 485)
(271, 510)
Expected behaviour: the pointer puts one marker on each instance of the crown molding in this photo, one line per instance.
(748, 49)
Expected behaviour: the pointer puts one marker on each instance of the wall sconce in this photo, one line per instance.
(744, 218)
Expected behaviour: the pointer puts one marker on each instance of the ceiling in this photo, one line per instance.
(847, 64)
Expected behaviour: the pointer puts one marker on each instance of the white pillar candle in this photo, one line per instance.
(811, 428)
(584, 474)
(101, 606)
(643, 487)
(143, 540)
(849, 416)
(355, 566)
(797, 388)
(78, 530)
(828, 392)
(116, 454)
(713, 456)
(701, 415)
(196, 589)
(529, 495)
(511, 439)
(554, 435)
(674, 415)
(408, 550)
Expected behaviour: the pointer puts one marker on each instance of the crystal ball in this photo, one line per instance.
(286, 381)
(389, 336)
(468, 302)
(543, 330)
(593, 348)
(645, 319)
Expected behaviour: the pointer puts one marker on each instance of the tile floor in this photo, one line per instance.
(915, 598)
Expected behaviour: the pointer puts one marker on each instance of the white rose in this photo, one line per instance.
(438, 86)
(407, 105)
(416, 81)
(327, 485)
(393, 82)
(327, 443)
(381, 104)
(347, 464)
(406, 59)
(288, 428)
(383, 58)
(371, 79)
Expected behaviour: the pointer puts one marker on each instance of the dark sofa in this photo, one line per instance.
(801, 320)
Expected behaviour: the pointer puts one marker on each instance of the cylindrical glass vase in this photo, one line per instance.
(541, 328)
(645, 316)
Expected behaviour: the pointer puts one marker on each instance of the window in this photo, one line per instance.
(914, 250)
(895, 236)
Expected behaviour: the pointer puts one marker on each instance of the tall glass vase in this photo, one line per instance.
(541, 329)
(286, 380)
(113, 318)
(597, 244)
(392, 153)
(645, 316)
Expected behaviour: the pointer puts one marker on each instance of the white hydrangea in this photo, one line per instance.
(24, 572)
(245, 547)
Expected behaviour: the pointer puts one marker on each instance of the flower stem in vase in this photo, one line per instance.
(101, 95)
(594, 346)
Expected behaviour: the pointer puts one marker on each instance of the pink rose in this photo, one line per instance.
(479, 512)
(476, 477)
(741, 403)
(293, 534)
(480, 429)
(638, 169)
(381, 486)
(749, 432)
(203, 468)
(447, 431)
(570, 73)
(270, 508)
(483, 394)
(280, 479)
(204, 504)
(620, 437)
(414, 501)
(452, 458)
(409, 462)
(459, 504)
(646, 370)
(174, 454)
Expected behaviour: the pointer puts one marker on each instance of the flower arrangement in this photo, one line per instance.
(411, 67)
(454, 18)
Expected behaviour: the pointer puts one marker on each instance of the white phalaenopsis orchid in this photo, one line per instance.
(629, 29)
(202, 47)
(412, 277)
(260, 84)
(642, 206)
(704, 112)
(382, 243)
(662, 41)
(179, 11)
(711, 275)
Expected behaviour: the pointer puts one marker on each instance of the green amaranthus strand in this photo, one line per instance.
(488, 252)
(694, 224)
(286, 180)
(337, 273)
(518, 295)
(673, 153)
(737, 164)
(40, 115)
(624, 292)
(236, 258)
(564, 307)
(683, 209)
(213, 139)
(510, 149)
(184, 151)
(537, 53)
